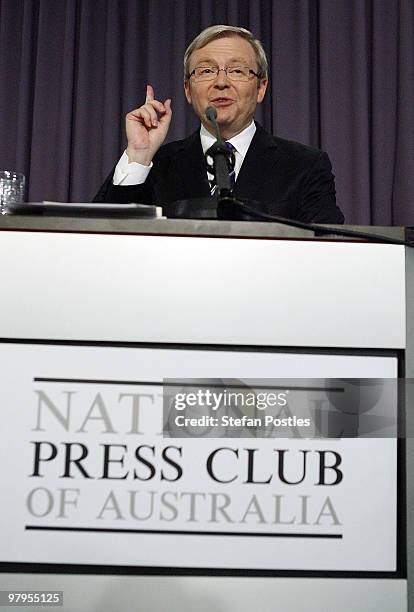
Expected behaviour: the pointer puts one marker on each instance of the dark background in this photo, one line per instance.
(341, 78)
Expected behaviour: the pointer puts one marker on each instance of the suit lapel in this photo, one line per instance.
(258, 165)
(191, 167)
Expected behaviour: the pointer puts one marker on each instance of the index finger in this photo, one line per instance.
(150, 94)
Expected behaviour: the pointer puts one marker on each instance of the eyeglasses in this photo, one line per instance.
(234, 73)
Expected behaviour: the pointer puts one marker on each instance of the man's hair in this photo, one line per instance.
(224, 31)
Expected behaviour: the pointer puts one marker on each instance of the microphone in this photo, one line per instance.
(211, 115)
(223, 158)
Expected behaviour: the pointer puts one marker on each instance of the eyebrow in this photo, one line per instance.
(233, 60)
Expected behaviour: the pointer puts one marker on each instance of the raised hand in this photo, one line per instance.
(147, 128)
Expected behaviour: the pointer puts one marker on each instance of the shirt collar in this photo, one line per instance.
(241, 142)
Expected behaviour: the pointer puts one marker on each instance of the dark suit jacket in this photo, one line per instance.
(289, 179)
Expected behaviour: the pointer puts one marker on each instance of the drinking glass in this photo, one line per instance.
(11, 190)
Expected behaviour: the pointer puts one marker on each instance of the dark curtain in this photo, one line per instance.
(342, 79)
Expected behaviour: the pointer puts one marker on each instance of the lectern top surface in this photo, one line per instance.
(180, 227)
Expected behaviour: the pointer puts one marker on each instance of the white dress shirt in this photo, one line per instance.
(132, 173)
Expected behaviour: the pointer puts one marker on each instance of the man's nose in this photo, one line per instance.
(222, 80)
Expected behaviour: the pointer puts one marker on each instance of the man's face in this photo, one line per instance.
(234, 101)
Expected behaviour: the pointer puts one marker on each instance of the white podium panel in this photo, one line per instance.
(202, 290)
(276, 301)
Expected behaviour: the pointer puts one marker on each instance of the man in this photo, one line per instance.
(224, 67)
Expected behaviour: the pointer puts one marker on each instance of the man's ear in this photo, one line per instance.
(261, 90)
(187, 91)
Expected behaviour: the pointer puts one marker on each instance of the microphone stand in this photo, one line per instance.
(223, 163)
